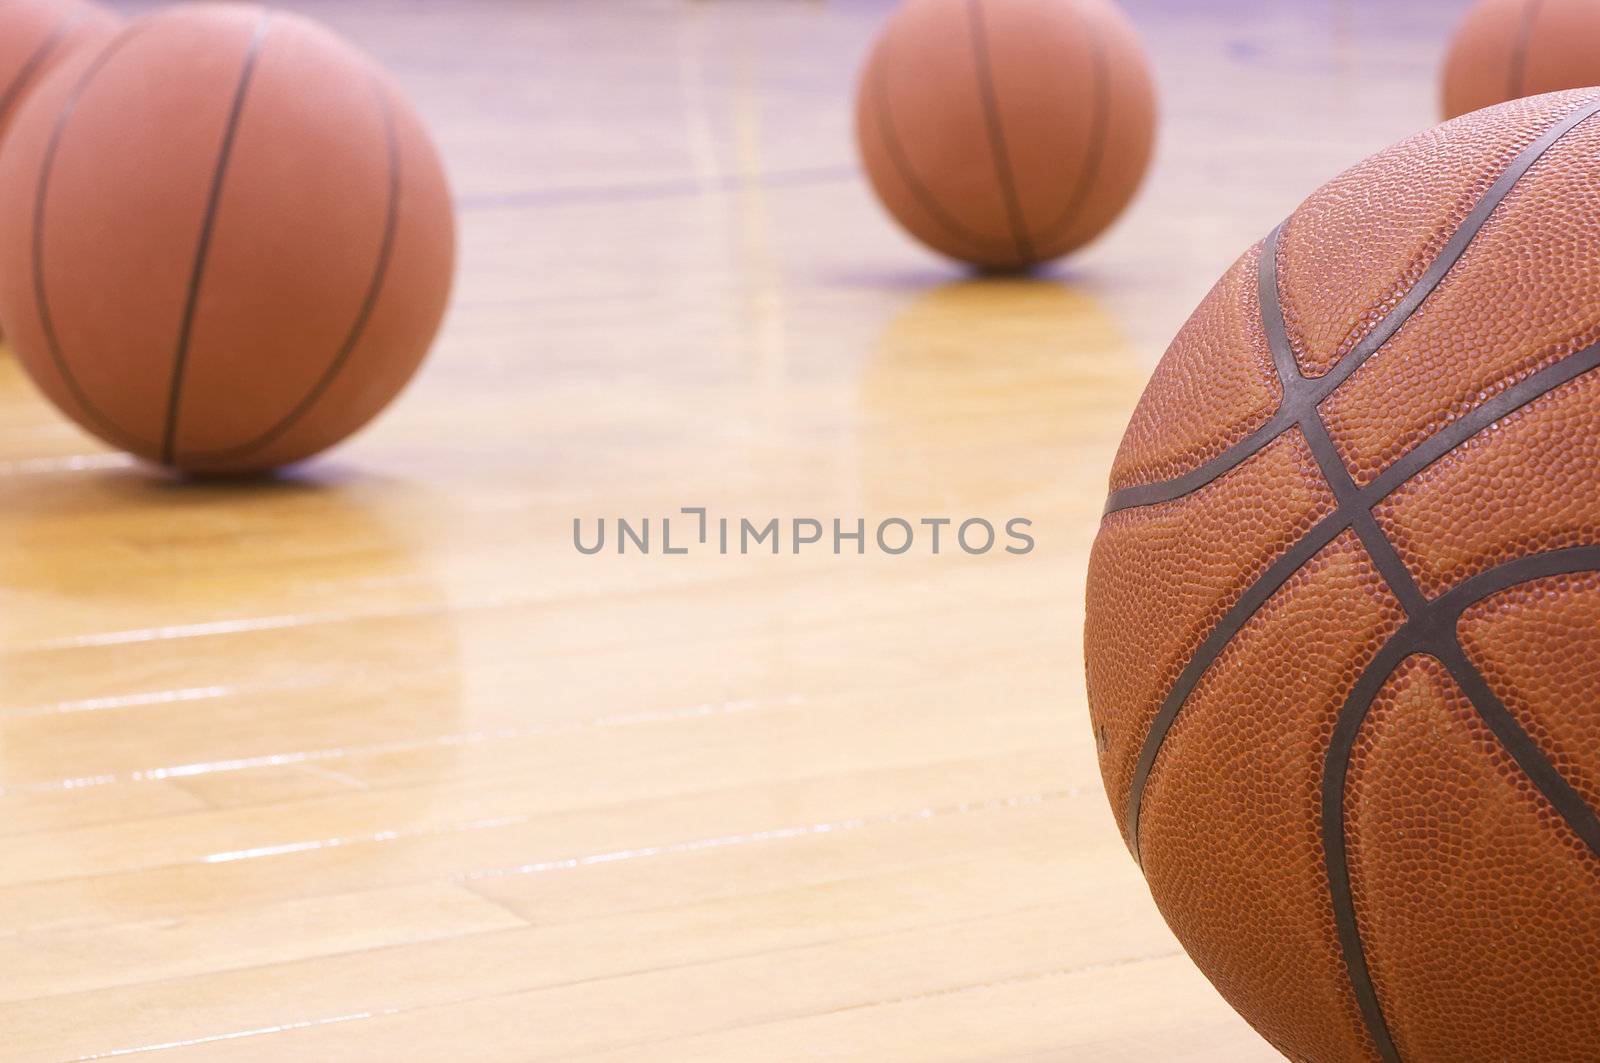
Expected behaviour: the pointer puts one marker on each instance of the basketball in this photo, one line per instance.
(1343, 610)
(36, 36)
(1505, 49)
(226, 243)
(1006, 134)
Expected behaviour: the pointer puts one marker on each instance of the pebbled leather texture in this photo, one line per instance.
(1214, 387)
(1343, 648)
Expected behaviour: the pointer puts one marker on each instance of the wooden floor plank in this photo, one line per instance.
(370, 763)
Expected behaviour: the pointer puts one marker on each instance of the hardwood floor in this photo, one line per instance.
(372, 763)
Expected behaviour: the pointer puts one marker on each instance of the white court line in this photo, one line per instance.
(773, 834)
(304, 1024)
(207, 628)
(460, 739)
(612, 857)
(68, 463)
(278, 622)
(618, 855)
(140, 699)
(1023, 978)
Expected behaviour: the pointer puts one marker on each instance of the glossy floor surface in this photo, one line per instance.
(372, 763)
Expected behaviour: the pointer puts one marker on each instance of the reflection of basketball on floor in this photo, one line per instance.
(1343, 624)
(942, 389)
(1006, 133)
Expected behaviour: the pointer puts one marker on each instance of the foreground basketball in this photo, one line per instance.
(1505, 49)
(1343, 628)
(226, 243)
(1006, 133)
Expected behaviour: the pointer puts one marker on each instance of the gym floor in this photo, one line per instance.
(370, 762)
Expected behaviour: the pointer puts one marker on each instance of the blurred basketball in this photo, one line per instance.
(36, 36)
(1006, 134)
(1343, 616)
(225, 244)
(1505, 49)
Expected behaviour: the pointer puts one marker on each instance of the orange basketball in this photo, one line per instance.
(1005, 133)
(226, 242)
(1505, 49)
(36, 35)
(1343, 618)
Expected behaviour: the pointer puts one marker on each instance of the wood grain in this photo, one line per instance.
(371, 763)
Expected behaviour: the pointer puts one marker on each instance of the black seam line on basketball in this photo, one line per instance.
(1335, 771)
(1392, 570)
(1311, 391)
(1517, 75)
(902, 166)
(997, 138)
(13, 92)
(1354, 507)
(1099, 123)
(180, 358)
(1433, 635)
(108, 428)
(1273, 326)
(1275, 575)
(1348, 497)
(364, 313)
(1353, 510)
(1561, 794)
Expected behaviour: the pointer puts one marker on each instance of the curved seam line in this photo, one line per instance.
(1393, 572)
(1275, 575)
(1515, 740)
(902, 166)
(1454, 603)
(1519, 50)
(34, 62)
(1315, 389)
(1434, 634)
(41, 199)
(1422, 631)
(1335, 857)
(1089, 172)
(1348, 496)
(180, 358)
(997, 141)
(363, 314)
